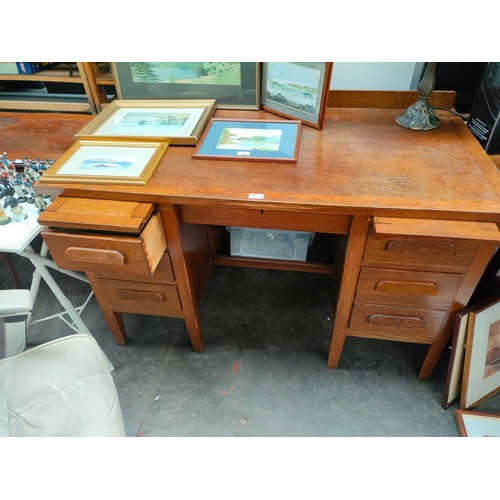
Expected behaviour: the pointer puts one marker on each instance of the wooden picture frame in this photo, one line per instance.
(477, 424)
(481, 377)
(297, 90)
(107, 162)
(453, 383)
(234, 85)
(178, 122)
(250, 140)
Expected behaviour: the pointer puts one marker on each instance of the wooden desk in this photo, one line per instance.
(428, 195)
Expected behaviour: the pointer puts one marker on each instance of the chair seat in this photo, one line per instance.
(60, 388)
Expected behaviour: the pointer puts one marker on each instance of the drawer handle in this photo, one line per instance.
(421, 288)
(420, 247)
(142, 295)
(95, 256)
(396, 321)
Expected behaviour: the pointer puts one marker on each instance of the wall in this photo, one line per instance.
(376, 75)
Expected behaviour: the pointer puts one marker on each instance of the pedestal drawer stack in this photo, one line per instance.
(122, 248)
(406, 285)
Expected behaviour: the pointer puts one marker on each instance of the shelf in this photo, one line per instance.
(105, 79)
(321, 257)
(48, 75)
(88, 100)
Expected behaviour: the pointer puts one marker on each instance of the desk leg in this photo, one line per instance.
(347, 289)
(183, 275)
(113, 319)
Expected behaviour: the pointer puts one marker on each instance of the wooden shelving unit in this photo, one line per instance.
(92, 76)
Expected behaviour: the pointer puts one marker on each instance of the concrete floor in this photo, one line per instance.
(263, 372)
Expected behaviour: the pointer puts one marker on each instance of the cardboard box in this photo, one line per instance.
(484, 119)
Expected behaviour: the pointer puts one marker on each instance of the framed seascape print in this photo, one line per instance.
(477, 424)
(106, 162)
(481, 377)
(297, 90)
(175, 121)
(231, 84)
(273, 140)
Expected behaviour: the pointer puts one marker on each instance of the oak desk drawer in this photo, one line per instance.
(110, 254)
(276, 219)
(443, 255)
(142, 298)
(403, 324)
(407, 288)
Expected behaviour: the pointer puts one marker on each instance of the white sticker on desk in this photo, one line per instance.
(256, 196)
(243, 153)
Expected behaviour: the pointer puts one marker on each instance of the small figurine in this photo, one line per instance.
(18, 214)
(18, 188)
(40, 203)
(4, 218)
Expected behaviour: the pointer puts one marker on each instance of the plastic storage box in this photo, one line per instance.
(269, 243)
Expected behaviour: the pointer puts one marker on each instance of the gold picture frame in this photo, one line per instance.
(179, 122)
(107, 162)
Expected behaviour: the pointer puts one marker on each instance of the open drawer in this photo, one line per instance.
(113, 238)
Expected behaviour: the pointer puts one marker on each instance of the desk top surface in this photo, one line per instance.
(361, 163)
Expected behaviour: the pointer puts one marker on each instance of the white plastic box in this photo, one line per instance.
(269, 243)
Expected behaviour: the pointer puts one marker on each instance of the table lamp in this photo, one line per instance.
(420, 115)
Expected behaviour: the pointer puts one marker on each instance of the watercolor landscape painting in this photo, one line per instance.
(250, 139)
(209, 73)
(299, 90)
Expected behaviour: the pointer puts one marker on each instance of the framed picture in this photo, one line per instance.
(174, 121)
(270, 140)
(297, 90)
(106, 162)
(453, 382)
(481, 377)
(232, 84)
(477, 424)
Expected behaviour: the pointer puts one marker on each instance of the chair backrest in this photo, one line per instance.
(60, 388)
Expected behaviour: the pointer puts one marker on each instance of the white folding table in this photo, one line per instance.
(16, 237)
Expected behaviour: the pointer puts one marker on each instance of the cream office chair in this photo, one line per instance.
(61, 388)
(15, 310)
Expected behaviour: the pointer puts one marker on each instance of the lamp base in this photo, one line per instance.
(419, 116)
